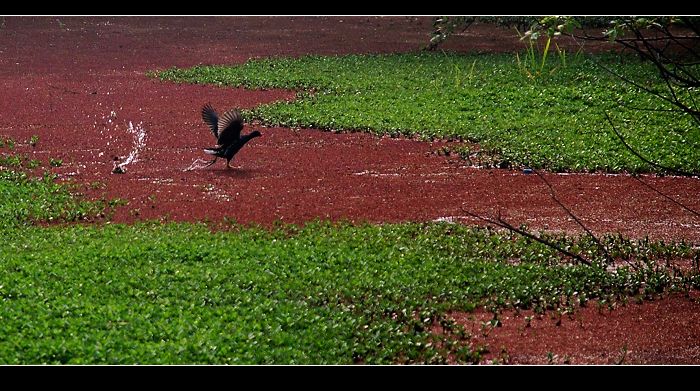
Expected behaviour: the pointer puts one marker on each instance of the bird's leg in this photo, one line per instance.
(211, 162)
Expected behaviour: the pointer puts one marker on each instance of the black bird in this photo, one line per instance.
(227, 131)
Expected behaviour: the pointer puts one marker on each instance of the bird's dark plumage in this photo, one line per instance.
(227, 130)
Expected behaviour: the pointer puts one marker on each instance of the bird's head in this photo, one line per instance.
(255, 133)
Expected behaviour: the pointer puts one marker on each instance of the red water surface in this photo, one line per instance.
(80, 84)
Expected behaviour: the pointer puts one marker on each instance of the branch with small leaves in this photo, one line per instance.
(499, 222)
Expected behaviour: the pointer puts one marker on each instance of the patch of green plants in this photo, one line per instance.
(318, 294)
(26, 198)
(7, 142)
(555, 120)
(11, 160)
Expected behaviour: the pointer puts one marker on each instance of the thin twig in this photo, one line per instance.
(503, 224)
(634, 83)
(667, 196)
(573, 216)
(646, 52)
(674, 37)
(645, 160)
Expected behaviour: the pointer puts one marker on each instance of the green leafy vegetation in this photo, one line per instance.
(554, 121)
(318, 294)
(7, 142)
(55, 162)
(323, 293)
(26, 198)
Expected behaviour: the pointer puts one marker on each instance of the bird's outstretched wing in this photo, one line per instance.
(230, 127)
(211, 119)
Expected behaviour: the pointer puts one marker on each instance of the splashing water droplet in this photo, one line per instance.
(139, 133)
(197, 164)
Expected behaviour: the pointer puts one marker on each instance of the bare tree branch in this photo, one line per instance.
(657, 191)
(694, 113)
(677, 70)
(573, 216)
(645, 160)
(503, 224)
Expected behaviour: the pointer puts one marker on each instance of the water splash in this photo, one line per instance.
(139, 134)
(197, 164)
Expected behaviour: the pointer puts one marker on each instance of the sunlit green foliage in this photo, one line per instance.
(553, 121)
(323, 293)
